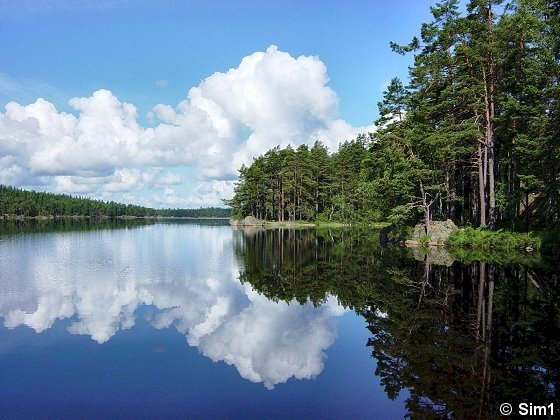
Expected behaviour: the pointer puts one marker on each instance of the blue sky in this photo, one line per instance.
(150, 102)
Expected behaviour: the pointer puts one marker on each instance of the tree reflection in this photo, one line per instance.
(462, 338)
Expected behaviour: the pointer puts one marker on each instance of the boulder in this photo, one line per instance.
(247, 221)
(439, 233)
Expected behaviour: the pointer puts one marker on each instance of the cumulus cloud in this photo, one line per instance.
(205, 193)
(169, 178)
(270, 99)
(104, 137)
(122, 180)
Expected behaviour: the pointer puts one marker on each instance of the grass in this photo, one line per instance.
(495, 240)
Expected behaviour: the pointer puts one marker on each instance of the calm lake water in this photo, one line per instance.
(177, 320)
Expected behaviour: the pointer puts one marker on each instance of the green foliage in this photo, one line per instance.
(424, 240)
(217, 212)
(308, 184)
(497, 240)
(401, 232)
(550, 240)
(401, 215)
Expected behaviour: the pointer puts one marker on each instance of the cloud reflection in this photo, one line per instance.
(99, 278)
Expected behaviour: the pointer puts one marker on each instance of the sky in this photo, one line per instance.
(159, 103)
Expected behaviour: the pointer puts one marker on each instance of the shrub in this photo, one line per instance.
(486, 239)
(424, 240)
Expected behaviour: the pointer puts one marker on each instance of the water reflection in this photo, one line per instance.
(461, 338)
(457, 339)
(99, 278)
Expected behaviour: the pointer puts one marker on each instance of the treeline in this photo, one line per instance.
(15, 201)
(474, 136)
(305, 184)
(18, 202)
(217, 212)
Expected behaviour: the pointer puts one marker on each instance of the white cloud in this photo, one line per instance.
(121, 181)
(270, 99)
(205, 193)
(104, 137)
(169, 178)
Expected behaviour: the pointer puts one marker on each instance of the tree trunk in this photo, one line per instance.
(426, 208)
(490, 113)
(527, 210)
(481, 187)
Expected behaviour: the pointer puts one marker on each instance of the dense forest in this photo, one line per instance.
(200, 212)
(18, 202)
(473, 136)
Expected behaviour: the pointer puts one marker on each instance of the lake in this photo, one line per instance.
(197, 319)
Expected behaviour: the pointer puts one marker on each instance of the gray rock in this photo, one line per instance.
(247, 221)
(439, 232)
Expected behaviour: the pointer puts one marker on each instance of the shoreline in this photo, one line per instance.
(270, 224)
(536, 241)
(22, 218)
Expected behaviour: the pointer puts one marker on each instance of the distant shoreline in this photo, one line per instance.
(17, 217)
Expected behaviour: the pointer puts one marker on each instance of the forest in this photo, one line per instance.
(472, 136)
(18, 202)
(217, 212)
